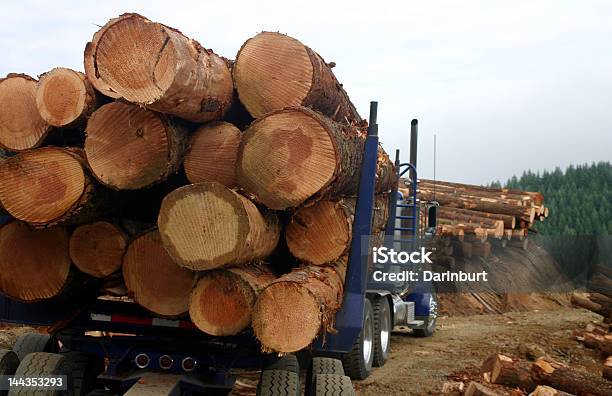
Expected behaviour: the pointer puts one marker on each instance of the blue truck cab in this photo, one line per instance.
(111, 347)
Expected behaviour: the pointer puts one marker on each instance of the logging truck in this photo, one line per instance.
(108, 347)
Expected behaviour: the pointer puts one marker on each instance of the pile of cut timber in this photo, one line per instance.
(97, 182)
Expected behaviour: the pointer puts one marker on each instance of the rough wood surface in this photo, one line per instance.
(295, 154)
(65, 97)
(543, 390)
(207, 225)
(583, 301)
(509, 221)
(274, 71)
(212, 154)
(156, 66)
(21, 126)
(569, 380)
(513, 373)
(34, 264)
(294, 309)
(97, 248)
(129, 148)
(48, 185)
(222, 302)
(476, 389)
(153, 279)
(321, 233)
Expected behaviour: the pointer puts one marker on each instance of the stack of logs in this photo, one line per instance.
(98, 181)
(472, 219)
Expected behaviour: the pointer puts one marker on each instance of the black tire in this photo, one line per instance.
(39, 364)
(287, 363)
(83, 370)
(333, 385)
(32, 342)
(382, 325)
(355, 364)
(278, 383)
(321, 365)
(8, 365)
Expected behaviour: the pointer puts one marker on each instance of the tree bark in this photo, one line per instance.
(295, 154)
(158, 67)
(65, 98)
(569, 380)
(476, 389)
(21, 126)
(34, 264)
(508, 220)
(537, 197)
(294, 309)
(543, 390)
(50, 185)
(97, 248)
(513, 373)
(213, 153)
(496, 225)
(519, 198)
(274, 71)
(472, 228)
(321, 233)
(583, 302)
(130, 148)
(223, 299)
(207, 225)
(153, 279)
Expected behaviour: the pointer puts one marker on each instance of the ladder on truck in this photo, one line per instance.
(406, 213)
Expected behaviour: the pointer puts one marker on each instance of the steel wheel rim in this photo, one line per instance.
(368, 341)
(385, 328)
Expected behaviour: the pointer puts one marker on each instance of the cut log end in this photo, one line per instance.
(21, 126)
(34, 264)
(97, 248)
(272, 71)
(286, 157)
(129, 148)
(154, 280)
(190, 225)
(64, 96)
(213, 153)
(42, 185)
(286, 318)
(319, 234)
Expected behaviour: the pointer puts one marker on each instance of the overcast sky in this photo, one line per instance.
(505, 86)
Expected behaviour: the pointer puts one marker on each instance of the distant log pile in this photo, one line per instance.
(95, 170)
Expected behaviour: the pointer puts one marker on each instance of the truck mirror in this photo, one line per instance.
(432, 216)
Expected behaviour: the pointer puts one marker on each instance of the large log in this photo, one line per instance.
(65, 97)
(207, 225)
(291, 155)
(34, 264)
(156, 66)
(222, 302)
(153, 279)
(513, 373)
(569, 380)
(321, 233)
(537, 197)
(508, 220)
(97, 248)
(212, 154)
(48, 185)
(521, 199)
(274, 71)
(581, 301)
(543, 390)
(294, 309)
(476, 389)
(129, 148)
(496, 225)
(21, 126)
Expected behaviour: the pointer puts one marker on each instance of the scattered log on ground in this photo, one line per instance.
(294, 154)
(274, 71)
(207, 225)
(129, 148)
(223, 299)
(579, 300)
(156, 66)
(65, 97)
(607, 369)
(321, 233)
(212, 154)
(476, 389)
(511, 372)
(466, 214)
(153, 279)
(600, 298)
(34, 264)
(543, 390)
(453, 388)
(21, 126)
(49, 185)
(601, 342)
(294, 309)
(97, 248)
(569, 380)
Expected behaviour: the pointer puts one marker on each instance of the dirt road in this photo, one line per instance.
(420, 366)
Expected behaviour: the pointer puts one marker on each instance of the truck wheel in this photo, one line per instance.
(287, 363)
(382, 330)
(39, 364)
(358, 362)
(278, 383)
(321, 365)
(83, 370)
(333, 385)
(8, 364)
(32, 342)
